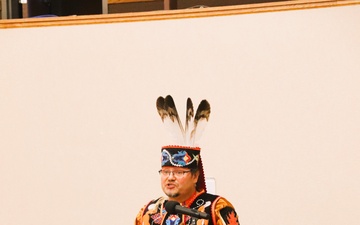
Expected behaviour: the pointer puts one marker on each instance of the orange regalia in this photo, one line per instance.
(220, 210)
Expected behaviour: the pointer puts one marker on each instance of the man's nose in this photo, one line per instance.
(172, 175)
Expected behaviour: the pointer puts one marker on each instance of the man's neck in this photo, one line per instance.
(184, 198)
(188, 199)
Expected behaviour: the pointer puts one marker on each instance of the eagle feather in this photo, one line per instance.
(194, 124)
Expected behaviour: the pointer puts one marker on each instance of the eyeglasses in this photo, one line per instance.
(177, 174)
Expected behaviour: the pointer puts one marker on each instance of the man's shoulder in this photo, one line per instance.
(160, 199)
(154, 205)
(209, 197)
(215, 199)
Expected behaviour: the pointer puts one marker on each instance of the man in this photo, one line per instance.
(182, 174)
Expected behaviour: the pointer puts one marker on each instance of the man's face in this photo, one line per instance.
(177, 185)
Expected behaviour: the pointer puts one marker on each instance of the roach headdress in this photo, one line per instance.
(184, 151)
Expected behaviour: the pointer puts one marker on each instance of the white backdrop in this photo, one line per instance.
(80, 135)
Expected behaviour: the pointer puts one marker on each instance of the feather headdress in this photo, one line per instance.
(194, 124)
(184, 151)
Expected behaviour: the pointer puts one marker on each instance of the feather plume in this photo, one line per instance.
(200, 121)
(189, 123)
(194, 125)
(170, 117)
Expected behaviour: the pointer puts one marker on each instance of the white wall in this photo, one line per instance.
(80, 135)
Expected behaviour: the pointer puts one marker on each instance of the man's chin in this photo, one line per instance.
(172, 195)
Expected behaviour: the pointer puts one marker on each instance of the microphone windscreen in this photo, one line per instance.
(170, 206)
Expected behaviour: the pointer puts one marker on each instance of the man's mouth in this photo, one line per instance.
(170, 186)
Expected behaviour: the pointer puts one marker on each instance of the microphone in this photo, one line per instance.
(174, 207)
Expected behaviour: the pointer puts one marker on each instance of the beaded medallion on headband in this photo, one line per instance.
(184, 151)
